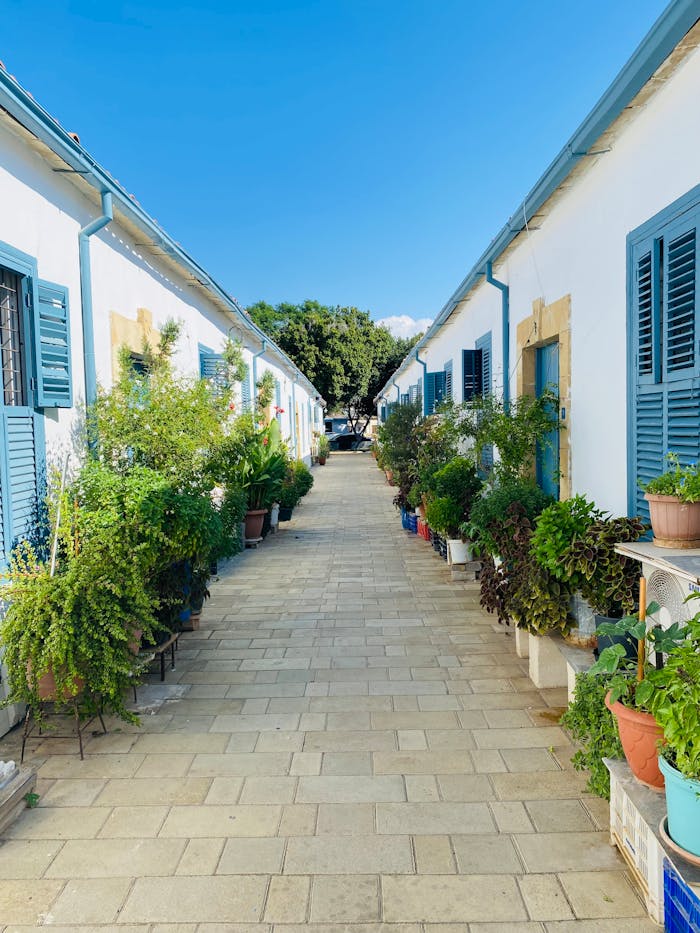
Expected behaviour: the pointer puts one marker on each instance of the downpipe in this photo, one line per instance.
(505, 330)
(86, 295)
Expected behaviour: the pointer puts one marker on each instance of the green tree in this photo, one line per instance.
(342, 350)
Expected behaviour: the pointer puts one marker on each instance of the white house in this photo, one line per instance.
(591, 284)
(83, 270)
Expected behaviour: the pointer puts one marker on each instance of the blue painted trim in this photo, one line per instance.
(4, 492)
(663, 37)
(293, 420)
(86, 294)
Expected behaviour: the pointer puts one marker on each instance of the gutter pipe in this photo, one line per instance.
(255, 369)
(293, 418)
(505, 330)
(425, 379)
(86, 295)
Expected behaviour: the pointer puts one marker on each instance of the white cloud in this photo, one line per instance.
(401, 325)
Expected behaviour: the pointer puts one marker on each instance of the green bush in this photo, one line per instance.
(557, 528)
(591, 725)
(444, 515)
(488, 511)
(458, 481)
(680, 481)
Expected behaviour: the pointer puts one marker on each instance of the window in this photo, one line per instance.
(412, 393)
(405, 398)
(434, 390)
(448, 380)
(472, 374)
(12, 351)
(664, 371)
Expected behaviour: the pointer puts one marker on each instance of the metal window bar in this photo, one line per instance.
(11, 339)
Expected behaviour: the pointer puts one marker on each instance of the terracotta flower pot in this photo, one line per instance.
(46, 686)
(253, 524)
(321, 460)
(675, 524)
(640, 735)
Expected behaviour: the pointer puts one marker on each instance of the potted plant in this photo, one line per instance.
(675, 702)
(674, 505)
(593, 730)
(632, 686)
(607, 580)
(459, 483)
(324, 449)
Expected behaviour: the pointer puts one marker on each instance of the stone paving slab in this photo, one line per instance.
(348, 745)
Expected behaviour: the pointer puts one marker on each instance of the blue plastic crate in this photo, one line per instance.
(681, 904)
(412, 522)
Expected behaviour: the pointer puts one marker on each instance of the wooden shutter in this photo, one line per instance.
(679, 301)
(472, 374)
(485, 377)
(21, 497)
(644, 313)
(246, 401)
(382, 413)
(54, 384)
(213, 368)
(448, 379)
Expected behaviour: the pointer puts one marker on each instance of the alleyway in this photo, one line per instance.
(346, 744)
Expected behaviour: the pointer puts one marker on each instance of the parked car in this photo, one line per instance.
(349, 441)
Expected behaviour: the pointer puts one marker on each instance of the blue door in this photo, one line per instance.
(547, 459)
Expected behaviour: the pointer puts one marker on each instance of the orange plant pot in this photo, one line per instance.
(640, 735)
(675, 524)
(253, 523)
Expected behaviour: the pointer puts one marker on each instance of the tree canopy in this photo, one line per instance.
(346, 355)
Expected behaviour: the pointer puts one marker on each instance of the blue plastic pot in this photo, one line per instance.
(683, 805)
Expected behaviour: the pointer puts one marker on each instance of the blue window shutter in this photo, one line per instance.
(246, 400)
(484, 346)
(448, 379)
(404, 398)
(649, 442)
(412, 393)
(429, 393)
(19, 432)
(212, 367)
(472, 374)
(679, 300)
(54, 384)
(382, 413)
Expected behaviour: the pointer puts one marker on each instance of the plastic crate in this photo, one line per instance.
(681, 903)
(404, 519)
(412, 522)
(639, 846)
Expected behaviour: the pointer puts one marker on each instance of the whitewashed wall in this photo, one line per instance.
(42, 213)
(580, 249)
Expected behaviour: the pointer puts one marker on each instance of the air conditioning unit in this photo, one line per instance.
(670, 590)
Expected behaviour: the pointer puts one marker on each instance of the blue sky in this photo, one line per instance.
(351, 151)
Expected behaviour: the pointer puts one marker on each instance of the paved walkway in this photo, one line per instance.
(347, 745)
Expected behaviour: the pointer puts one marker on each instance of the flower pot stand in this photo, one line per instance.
(31, 724)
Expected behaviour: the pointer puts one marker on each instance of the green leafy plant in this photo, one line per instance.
(557, 527)
(297, 482)
(32, 800)
(609, 581)
(266, 391)
(459, 482)
(514, 429)
(158, 418)
(518, 588)
(681, 481)
(590, 725)
(488, 510)
(675, 702)
(444, 515)
(399, 445)
(324, 447)
(632, 680)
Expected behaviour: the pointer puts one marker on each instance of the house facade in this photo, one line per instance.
(85, 270)
(591, 287)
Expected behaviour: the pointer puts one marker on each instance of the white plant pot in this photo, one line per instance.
(275, 515)
(458, 551)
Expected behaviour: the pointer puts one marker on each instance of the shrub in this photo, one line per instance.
(488, 510)
(444, 515)
(458, 481)
(590, 724)
(557, 527)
